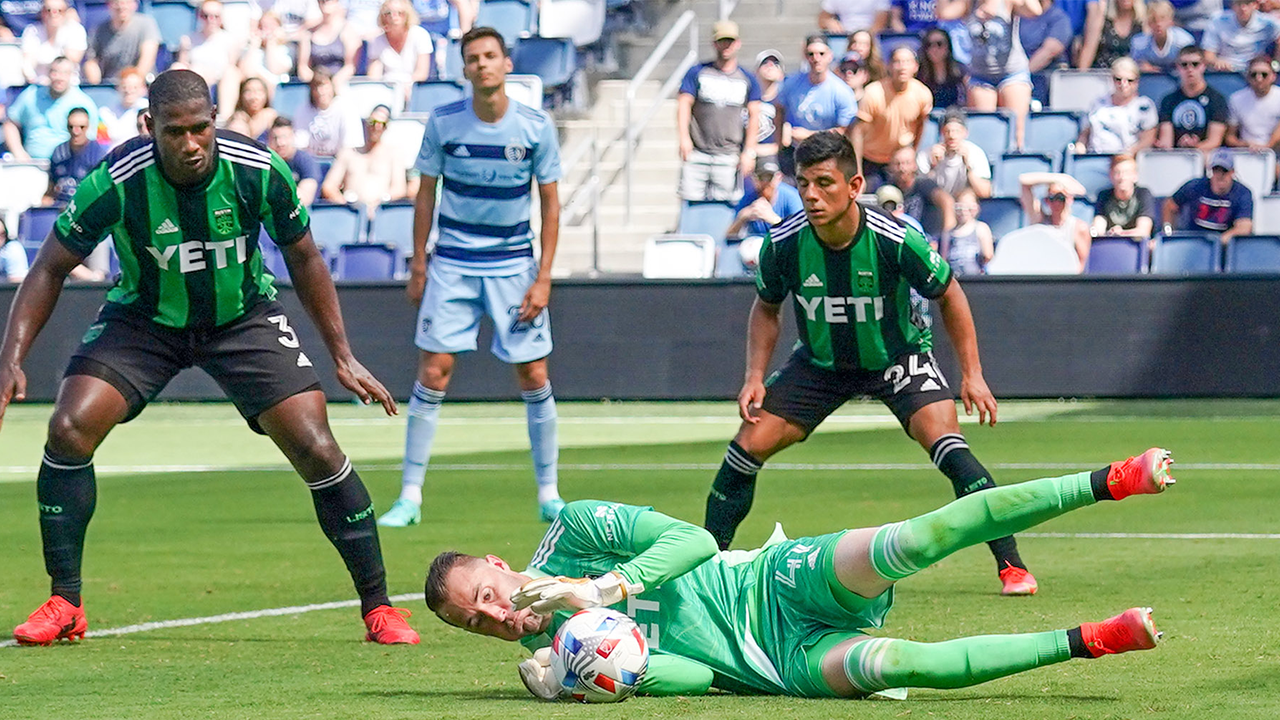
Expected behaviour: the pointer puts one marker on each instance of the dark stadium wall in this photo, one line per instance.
(632, 339)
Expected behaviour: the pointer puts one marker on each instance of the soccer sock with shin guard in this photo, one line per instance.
(424, 413)
(881, 663)
(346, 517)
(952, 456)
(731, 494)
(903, 548)
(540, 411)
(67, 494)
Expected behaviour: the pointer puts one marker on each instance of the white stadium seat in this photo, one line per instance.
(1077, 89)
(1164, 171)
(679, 256)
(1033, 251)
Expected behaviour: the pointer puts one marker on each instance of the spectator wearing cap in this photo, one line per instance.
(1156, 50)
(1122, 122)
(845, 16)
(1054, 211)
(913, 16)
(1193, 115)
(891, 116)
(890, 199)
(1237, 35)
(1046, 37)
(770, 72)
(1125, 209)
(814, 100)
(957, 163)
(1253, 112)
(716, 149)
(371, 174)
(922, 198)
(854, 73)
(1217, 204)
(940, 71)
(766, 201)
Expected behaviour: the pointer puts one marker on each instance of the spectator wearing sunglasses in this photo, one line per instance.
(1122, 122)
(371, 174)
(813, 100)
(1194, 115)
(1253, 113)
(1218, 204)
(1054, 211)
(1238, 34)
(945, 77)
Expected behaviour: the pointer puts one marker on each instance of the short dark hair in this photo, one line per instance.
(78, 109)
(1191, 49)
(174, 87)
(477, 33)
(281, 122)
(436, 590)
(828, 145)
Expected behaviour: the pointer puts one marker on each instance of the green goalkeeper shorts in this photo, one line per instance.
(802, 602)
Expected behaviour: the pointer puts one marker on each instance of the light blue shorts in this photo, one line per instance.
(999, 82)
(449, 319)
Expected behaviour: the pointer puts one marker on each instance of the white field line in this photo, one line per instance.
(1154, 536)
(228, 617)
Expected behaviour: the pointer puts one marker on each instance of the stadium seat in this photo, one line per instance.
(427, 96)
(393, 225)
(554, 60)
(1033, 251)
(1256, 171)
(892, 41)
(1164, 171)
(1226, 82)
(839, 43)
(333, 226)
(705, 218)
(1092, 170)
(1082, 207)
(290, 97)
(582, 21)
(1185, 254)
(932, 132)
(1266, 214)
(1116, 255)
(362, 96)
(175, 19)
(1077, 89)
(101, 95)
(679, 256)
(1013, 165)
(93, 14)
(1049, 133)
(272, 258)
(35, 223)
(453, 61)
(512, 18)
(1156, 85)
(525, 88)
(1004, 215)
(366, 261)
(405, 133)
(11, 65)
(991, 132)
(1254, 254)
(21, 186)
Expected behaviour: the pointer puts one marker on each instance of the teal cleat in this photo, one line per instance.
(403, 513)
(549, 510)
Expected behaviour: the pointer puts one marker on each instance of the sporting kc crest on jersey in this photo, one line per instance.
(514, 152)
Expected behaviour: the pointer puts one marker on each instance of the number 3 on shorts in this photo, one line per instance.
(288, 337)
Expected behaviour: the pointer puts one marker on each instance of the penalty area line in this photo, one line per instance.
(227, 617)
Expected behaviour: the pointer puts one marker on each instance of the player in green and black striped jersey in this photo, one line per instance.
(184, 211)
(850, 270)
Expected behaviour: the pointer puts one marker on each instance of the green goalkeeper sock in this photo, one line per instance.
(882, 663)
(904, 548)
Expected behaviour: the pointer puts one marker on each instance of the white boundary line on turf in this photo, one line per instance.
(227, 617)
(1155, 536)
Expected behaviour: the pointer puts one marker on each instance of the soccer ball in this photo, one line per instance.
(749, 251)
(599, 656)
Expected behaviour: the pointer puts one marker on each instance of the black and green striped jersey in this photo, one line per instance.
(189, 257)
(853, 306)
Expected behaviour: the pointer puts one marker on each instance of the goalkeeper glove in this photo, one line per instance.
(537, 677)
(547, 595)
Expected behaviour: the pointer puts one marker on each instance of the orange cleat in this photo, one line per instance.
(1017, 581)
(387, 626)
(1146, 474)
(1133, 629)
(55, 620)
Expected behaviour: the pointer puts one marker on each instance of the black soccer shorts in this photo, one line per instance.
(805, 394)
(256, 359)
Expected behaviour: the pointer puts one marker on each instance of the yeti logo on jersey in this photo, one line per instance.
(514, 153)
(191, 255)
(224, 221)
(836, 310)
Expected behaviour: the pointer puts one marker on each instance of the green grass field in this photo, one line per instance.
(197, 517)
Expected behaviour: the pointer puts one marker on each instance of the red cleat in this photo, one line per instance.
(1133, 629)
(55, 620)
(1146, 474)
(1017, 581)
(387, 626)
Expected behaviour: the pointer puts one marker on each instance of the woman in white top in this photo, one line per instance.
(325, 125)
(58, 33)
(118, 121)
(1055, 210)
(267, 56)
(402, 53)
(1122, 122)
(213, 53)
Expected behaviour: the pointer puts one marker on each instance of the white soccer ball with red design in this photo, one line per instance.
(599, 656)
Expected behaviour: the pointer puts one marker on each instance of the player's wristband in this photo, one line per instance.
(614, 588)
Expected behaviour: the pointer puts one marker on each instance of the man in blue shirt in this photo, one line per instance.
(1238, 34)
(307, 174)
(766, 202)
(1216, 204)
(37, 120)
(72, 160)
(487, 151)
(1046, 37)
(815, 100)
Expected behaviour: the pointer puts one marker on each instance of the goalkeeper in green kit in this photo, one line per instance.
(790, 618)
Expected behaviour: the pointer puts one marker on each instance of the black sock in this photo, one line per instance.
(1098, 482)
(731, 494)
(952, 456)
(1075, 641)
(346, 516)
(67, 494)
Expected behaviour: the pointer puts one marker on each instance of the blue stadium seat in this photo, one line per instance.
(1049, 133)
(366, 262)
(892, 41)
(290, 97)
(1011, 166)
(1083, 209)
(1156, 85)
(427, 96)
(324, 163)
(1185, 254)
(335, 225)
(393, 225)
(1004, 215)
(514, 19)
(555, 60)
(1115, 255)
(272, 258)
(1226, 82)
(35, 223)
(991, 132)
(93, 14)
(453, 61)
(1093, 171)
(1254, 254)
(705, 218)
(101, 95)
(175, 19)
(839, 43)
(932, 131)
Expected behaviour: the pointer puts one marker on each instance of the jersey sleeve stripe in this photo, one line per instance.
(229, 144)
(487, 192)
(133, 170)
(886, 227)
(787, 227)
(131, 157)
(548, 544)
(126, 166)
(239, 156)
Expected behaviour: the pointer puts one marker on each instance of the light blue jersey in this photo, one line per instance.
(487, 171)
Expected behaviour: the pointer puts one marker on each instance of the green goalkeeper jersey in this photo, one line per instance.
(853, 306)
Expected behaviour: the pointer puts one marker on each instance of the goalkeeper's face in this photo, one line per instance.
(478, 600)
